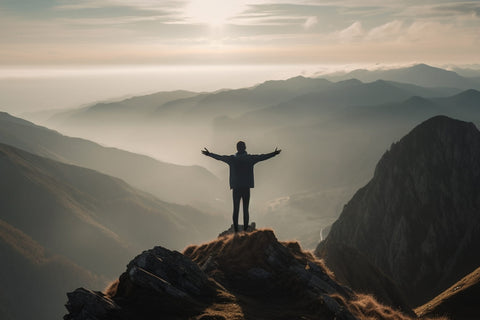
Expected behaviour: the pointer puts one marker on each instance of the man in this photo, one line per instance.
(241, 177)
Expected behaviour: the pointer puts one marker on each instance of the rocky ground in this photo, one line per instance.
(242, 276)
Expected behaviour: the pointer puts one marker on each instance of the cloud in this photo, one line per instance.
(151, 5)
(146, 29)
(354, 32)
(310, 22)
(388, 31)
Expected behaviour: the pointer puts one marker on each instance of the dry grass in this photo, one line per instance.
(111, 289)
(240, 251)
(244, 250)
(366, 307)
(464, 284)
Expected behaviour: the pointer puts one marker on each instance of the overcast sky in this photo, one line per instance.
(238, 32)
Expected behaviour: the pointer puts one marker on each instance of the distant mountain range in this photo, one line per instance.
(332, 134)
(420, 74)
(130, 109)
(417, 220)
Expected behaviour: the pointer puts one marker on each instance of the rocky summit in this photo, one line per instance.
(417, 221)
(244, 276)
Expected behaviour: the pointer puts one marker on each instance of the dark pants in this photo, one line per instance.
(244, 195)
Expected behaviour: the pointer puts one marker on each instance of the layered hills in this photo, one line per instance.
(81, 213)
(334, 132)
(416, 221)
(420, 74)
(245, 276)
(180, 184)
(62, 225)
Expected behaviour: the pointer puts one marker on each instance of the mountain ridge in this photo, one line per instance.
(66, 201)
(430, 178)
(419, 74)
(183, 184)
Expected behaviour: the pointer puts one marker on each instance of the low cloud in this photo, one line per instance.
(388, 31)
(310, 22)
(354, 32)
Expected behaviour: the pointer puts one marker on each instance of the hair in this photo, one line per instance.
(241, 146)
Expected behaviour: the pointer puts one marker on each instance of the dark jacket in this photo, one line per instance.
(241, 167)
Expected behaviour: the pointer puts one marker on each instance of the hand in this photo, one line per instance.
(277, 151)
(206, 152)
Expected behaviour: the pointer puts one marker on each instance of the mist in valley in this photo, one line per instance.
(332, 133)
(128, 173)
(106, 105)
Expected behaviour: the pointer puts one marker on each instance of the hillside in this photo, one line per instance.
(131, 109)
(32, 280)
(181, 184)
(417, 220)
(247, 276)
(81, 214)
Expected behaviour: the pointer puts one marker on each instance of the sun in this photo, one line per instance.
(213, 12)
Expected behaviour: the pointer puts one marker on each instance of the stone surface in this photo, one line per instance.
(231, 230)
(87, 304)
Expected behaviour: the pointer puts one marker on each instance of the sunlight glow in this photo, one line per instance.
(214, 12)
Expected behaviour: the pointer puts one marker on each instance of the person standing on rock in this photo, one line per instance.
(241, 177)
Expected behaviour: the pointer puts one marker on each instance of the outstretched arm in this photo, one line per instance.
(215, 156)
(261, 157)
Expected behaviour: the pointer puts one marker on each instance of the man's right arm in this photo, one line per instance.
(215, 156)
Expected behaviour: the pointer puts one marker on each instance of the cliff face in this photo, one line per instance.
(246, 276)
(418, 219)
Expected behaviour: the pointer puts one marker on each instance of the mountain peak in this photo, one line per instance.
(467, 94)
(419, 211)
(438, 129)
(424, 66)
(243, 276)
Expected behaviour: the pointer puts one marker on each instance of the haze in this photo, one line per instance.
(122, 96)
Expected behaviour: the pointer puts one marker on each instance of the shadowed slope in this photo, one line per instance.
(460, 301)
(179, 184)
(33, 280)
(81, 213)
(417, 219)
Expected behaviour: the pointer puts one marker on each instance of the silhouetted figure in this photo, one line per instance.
(241, 177)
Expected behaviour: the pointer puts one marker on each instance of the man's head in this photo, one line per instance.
(241, 147)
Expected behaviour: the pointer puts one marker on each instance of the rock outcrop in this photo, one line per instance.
(244, 276)
(157, 282)
(231, 230)
(417, 221)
